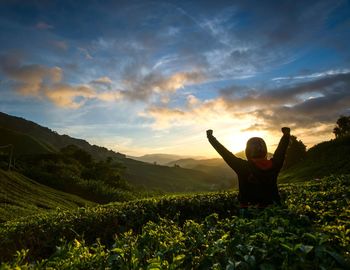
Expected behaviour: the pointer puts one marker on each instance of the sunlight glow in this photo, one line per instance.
(236, 140)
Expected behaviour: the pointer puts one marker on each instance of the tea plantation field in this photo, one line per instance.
(311, 230)
(21, 196)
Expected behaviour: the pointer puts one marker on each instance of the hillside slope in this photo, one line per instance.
(326, 158)
(171, 179)
(52, 138)
(21, 196)
(23, 144)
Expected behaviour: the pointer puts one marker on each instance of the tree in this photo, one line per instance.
(343, 127)
(296, 152)
(78, 154)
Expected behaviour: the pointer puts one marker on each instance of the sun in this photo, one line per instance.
(237, 141)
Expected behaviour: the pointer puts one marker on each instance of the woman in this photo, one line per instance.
(257, 176)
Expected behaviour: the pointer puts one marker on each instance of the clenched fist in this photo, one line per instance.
(209, 133)
(285, 130)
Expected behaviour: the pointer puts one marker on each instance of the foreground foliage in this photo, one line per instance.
(310, 231)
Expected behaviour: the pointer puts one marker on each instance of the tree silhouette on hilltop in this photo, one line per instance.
(343, 127)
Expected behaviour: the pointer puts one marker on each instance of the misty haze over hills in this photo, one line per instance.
(163, 159)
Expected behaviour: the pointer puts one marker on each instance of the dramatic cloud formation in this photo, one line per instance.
(302, 106)
(159, 72)
(40, 81)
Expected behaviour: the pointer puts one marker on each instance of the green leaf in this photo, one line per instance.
(339, 259)
(306, 249)
(179, 258)
(287, 247)
(311, 236)
(230, 265)
(118, 250)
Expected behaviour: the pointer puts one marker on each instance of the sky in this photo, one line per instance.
(143, 77)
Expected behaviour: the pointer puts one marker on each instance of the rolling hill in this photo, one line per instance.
(161, 159)
(326, 158)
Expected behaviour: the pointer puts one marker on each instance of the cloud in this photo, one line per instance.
(46, 82)
(110, 95)
(303, 105)
(68, 96)
(227, 40)
(196, 113)
(308, 105)
(29, 78)
(292, 95)
(43, 26)
(156, 83)
(42, 81)
(103, 81)
(192, 101)
(314, 75)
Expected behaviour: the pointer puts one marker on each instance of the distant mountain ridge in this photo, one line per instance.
(161, 159)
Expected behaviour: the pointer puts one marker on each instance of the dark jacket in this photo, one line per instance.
(256, 186)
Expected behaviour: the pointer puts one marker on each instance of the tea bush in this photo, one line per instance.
(311, 230)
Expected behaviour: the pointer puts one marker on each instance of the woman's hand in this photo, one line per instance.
(286, 130)
(209, 133)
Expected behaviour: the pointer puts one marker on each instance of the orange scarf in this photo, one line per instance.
(262, 163)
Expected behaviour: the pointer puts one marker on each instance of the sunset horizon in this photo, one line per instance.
(151, 77)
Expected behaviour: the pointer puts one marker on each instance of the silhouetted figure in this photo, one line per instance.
(257, 176)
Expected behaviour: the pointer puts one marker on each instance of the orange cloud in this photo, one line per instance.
(109, 95)
(197, 113)
(64, 95)
(31, 78)
(250, 111)
(46, 82)
(103, 80)
(177, 81)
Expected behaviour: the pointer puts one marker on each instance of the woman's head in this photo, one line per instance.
(256, 148)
